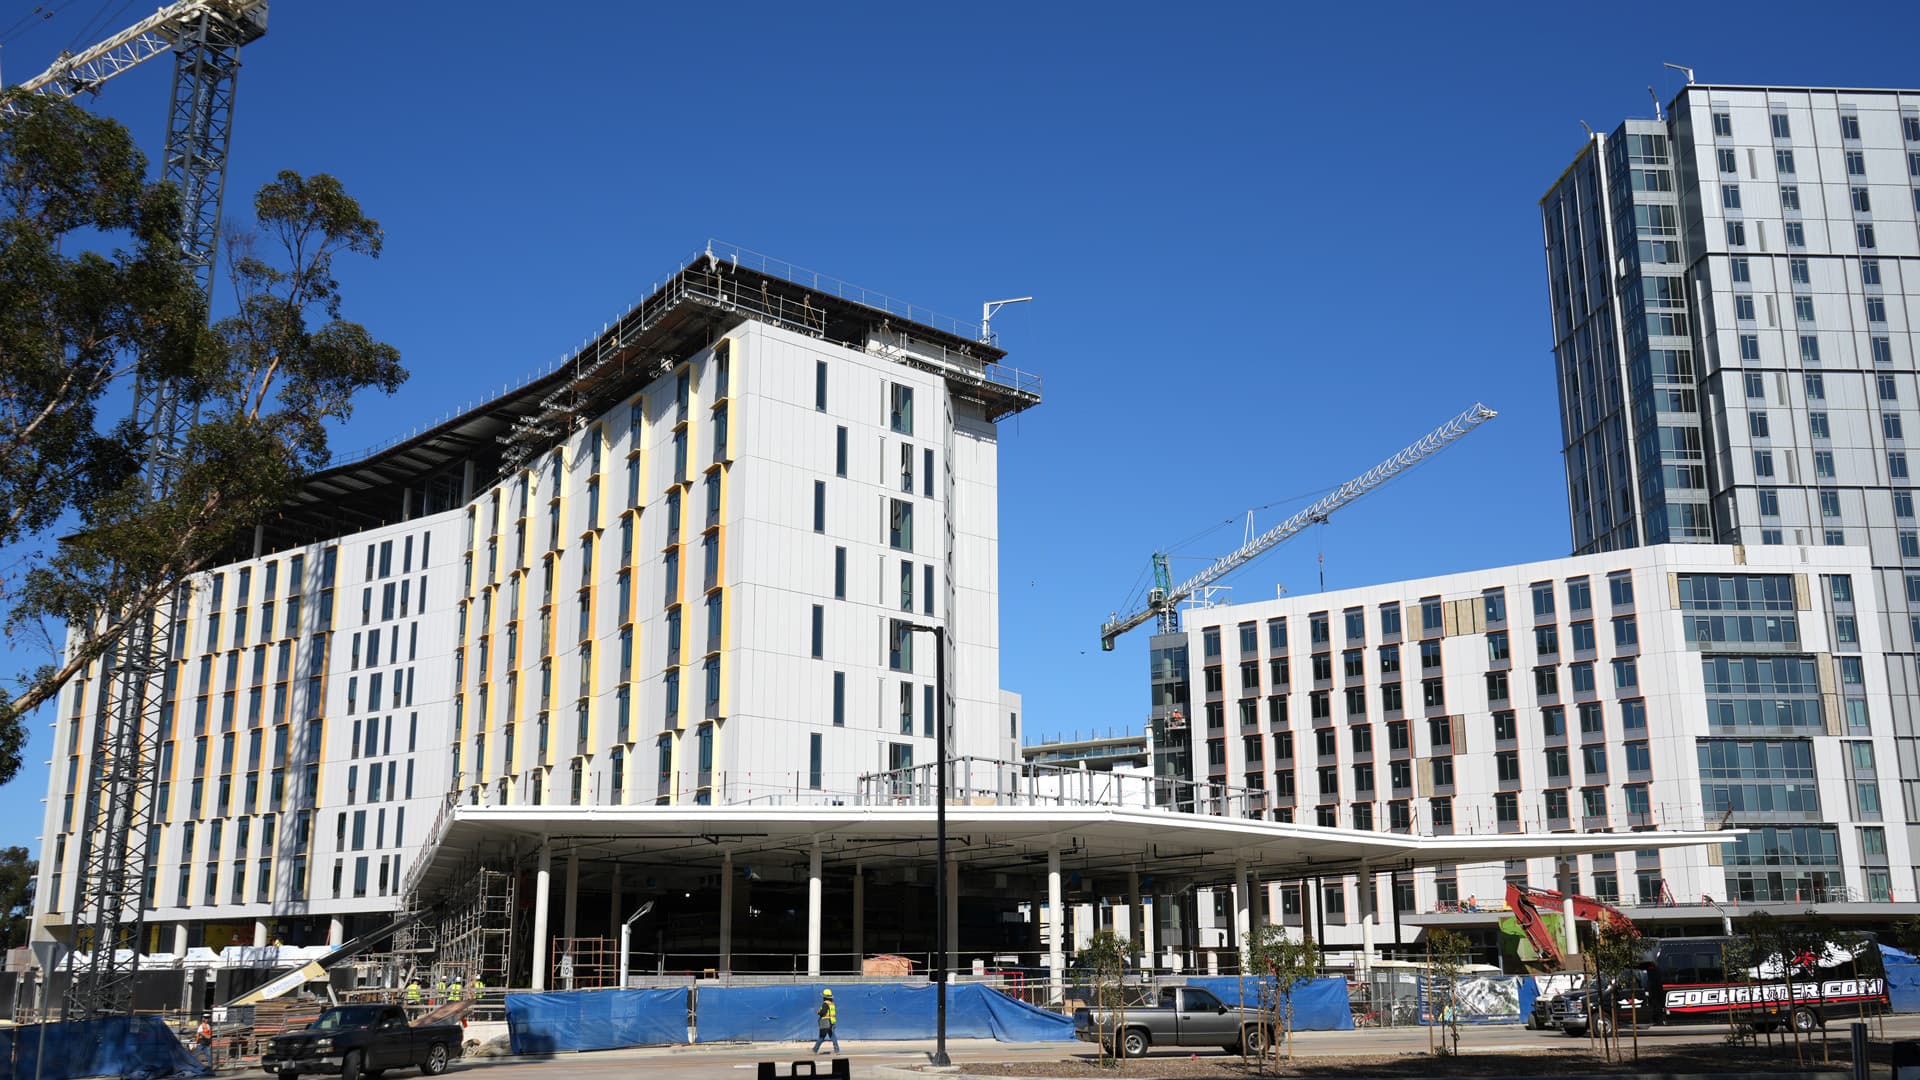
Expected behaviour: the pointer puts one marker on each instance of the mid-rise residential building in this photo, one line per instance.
(1664, 687)
(1734, 288)
(692, 565)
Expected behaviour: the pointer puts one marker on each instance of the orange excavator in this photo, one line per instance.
(1525, 903)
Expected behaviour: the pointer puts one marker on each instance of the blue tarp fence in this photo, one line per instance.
(872, 1011)
(1903, 979)
(1529, 993)
(138, 1048)
(1318, 1004)
(596, 1020)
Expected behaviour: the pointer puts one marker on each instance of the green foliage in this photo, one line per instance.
(1447, 954)
(264, 382)
(1281, 964)
(1104, 958)
(16, 896)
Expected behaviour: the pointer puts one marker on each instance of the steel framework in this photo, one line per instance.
(111, 887)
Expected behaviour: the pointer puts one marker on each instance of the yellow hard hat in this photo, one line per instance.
(826, 993)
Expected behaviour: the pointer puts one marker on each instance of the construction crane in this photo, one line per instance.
(108, 912)
(1164, 599)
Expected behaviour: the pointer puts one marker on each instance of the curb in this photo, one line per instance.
(901, 1073)
(896, 1072)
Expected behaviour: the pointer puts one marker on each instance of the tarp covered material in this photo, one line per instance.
(595, 1020)
(1903, 987)
(981, 1012)
(871, 1011)
(138, 1048)
(1318, 1004)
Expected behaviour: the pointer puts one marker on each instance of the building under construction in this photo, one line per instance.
(646, 632)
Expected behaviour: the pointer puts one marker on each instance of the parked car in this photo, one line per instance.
(1178, 1016)
(356, 1041)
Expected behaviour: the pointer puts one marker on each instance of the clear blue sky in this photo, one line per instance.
(1270, 244)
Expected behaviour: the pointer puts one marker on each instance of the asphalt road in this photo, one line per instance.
(732, 1062)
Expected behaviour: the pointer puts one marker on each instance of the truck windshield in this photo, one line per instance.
(342, 1019)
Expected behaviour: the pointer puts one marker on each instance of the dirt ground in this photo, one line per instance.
(1700, 1058)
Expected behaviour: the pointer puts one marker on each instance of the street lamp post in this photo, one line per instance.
(626, 939)
(940, 943)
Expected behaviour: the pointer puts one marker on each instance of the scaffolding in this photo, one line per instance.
(473, 936)
(584, 963)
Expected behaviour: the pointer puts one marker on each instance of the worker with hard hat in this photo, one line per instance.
(828, 1017)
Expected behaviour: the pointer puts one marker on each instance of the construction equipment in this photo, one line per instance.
(205, 37)
(1525, 900)
(1164, 599)
(317, 969)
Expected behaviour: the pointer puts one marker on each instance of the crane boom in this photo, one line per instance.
(1163, 602)
(90, 68)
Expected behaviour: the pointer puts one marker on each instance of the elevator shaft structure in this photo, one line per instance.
(115, 867)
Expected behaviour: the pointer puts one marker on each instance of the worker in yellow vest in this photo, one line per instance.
(828, 1016)
(474, 988)
(413, 992)
(453, 990)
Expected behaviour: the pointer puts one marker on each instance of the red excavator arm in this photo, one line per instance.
(1524, 901)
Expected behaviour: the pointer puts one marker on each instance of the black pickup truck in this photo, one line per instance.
(362, 1041)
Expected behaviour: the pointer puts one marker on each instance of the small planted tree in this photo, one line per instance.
(1105, 961)
(1281, 966)
(1615, 953)
(1446, 960)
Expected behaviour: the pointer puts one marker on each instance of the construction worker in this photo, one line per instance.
(413, 992)
(443, 990)
(453, 991)
(828, 1016)
(474, 988)
(203, 1040)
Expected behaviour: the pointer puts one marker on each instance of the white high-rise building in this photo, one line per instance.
(1734, 289)
(1667, 687)
(682, 568)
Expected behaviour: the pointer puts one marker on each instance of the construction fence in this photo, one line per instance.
(607, 1019)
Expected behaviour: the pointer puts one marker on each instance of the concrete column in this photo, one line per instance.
(1056, 929)
(1568, 922)
(726, 912)
(1135, 941)
(180, 939)
(540, 887)
(260, 933)
(1242, 907)
(336, 931)
(1149, 916)
(615, 916)
(953, 916)
(813, 911)
(859, 914)
(572, 921)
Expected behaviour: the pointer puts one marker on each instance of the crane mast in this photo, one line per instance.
(114, 867)
(1163, 601)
